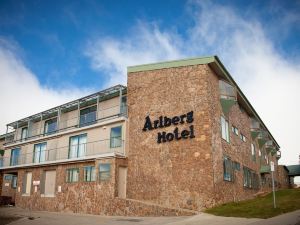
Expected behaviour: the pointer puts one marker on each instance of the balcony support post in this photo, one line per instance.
(16, 133)
(97, 108)
(41, 125)
(28, 129)
(120, 99)
(78, 109)
(6, 133)
(58, 118)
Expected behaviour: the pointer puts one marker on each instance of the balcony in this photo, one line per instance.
(105, 105)
(228, 96)
(90, 150)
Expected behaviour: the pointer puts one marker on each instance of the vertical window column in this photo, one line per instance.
(39, 152)
(116, 137)
(225, 129)
(77, 146)
(15, 157)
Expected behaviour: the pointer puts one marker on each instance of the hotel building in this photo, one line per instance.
(181, 137)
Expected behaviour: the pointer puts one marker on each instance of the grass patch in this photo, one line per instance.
(287, 200)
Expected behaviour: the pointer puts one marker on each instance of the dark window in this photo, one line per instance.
(72, 175)
(116, 137)
(89, 173)
(104, 171)
(88, 116)
(251, 179)
(39, 152)
(15, 157)
(124, 105)
(237, 166)
(228, 169)
(50, 126)
(14, 181)
(77, 146)
(24, 133)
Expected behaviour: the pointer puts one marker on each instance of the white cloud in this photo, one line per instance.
(146, 44)
(21, 94)
(270, 81)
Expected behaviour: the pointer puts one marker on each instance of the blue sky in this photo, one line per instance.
(53, 35)
(55, 51)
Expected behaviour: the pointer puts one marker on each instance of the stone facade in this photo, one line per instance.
(282, 177)
(188, 173)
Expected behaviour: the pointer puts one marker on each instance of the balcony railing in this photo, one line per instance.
(67, 153)
(36, 129)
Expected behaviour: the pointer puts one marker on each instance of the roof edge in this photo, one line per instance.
(170, 64)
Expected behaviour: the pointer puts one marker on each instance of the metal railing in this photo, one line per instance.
(71, 152)
(36, 129)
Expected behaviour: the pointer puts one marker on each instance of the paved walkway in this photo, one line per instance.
(53, 218)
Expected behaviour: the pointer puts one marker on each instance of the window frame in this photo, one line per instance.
(235, 130)
(101, 172)
(14, 161)
(91, 170)
(72, 171)
(228, 165)
(40, 152)
(14, 181)
(78, 145)
(46, 126)
(114, 140)
(243, 137)
(253, 152)
(83, 124)
(26, 133)
(225, 127)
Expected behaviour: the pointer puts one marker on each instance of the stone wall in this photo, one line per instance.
(98, 197)
(187, 173)
(176, 173)
(282, 177)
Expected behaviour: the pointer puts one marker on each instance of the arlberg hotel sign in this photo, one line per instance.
(164, 121)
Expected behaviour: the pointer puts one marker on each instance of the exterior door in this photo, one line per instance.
(122, 182)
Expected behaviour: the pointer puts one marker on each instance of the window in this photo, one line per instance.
(253, 152)
(123, 109)
(50, 126)
(104, 171)
(243, 138)
(267, 159)
(8, 177)
(89, 173)
(14, 181)
(116, 137)
(24, 133)
(48, 183)
(228, 169)
(237, 166)
(235, 130)
(77, 146)
(15, 157)
(26, 185)
(224, 129)
(39, 152)
(88, 116)
(73, 175)
(251, 179)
